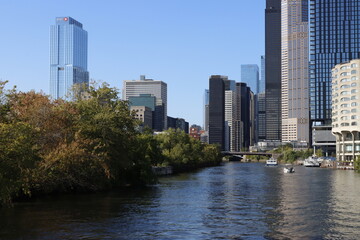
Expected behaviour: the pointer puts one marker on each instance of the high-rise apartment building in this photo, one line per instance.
(294, 68)
(273, 69)
(334, 39)
(158, 89)
(250, 76)
(346, 111)
(68, 56)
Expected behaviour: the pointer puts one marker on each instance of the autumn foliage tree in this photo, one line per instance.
(87, 144)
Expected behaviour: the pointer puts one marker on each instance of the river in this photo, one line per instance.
(233, 201)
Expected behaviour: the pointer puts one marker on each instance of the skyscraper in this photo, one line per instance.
(68, 56)
(217, 110)
(230, 115)
(206, 110)
(334, 39)
(294, 68)
(261, 117)
(261, 83)
(250, 76)
(273, 69)
(135, 88)
(244, 122)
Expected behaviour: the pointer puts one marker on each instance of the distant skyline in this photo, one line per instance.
(180, 42)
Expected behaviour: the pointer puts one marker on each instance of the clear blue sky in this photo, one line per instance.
(181, 42)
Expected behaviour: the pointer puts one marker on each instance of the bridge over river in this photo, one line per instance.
(227, 153)
(241, 154)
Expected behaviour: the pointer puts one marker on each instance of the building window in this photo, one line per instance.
(353, 72)
(348, 148)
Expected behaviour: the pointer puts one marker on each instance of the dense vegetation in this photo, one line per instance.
(83, 145)
(288, 154)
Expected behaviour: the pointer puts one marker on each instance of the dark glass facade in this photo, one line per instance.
(243, 122)
(273, 69)
(217, 110)
(334, 38)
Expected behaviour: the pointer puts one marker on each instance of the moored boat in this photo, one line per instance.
(312, 161)
(271, 162)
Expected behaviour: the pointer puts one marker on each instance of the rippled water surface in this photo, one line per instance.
(233, 201)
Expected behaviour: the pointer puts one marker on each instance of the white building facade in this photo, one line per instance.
(346, 110)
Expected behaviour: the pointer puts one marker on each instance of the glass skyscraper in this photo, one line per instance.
(250, 76)
(273, 69)
(261, 83)
(334, 39)
(68, 56)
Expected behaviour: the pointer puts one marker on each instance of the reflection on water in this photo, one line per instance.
(234, 201)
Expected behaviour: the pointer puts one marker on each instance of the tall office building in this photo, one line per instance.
(273, 69)
(334, 39)
(261, 83)
(206, 110)
(158, 89)
(294, 69)
(244, 117)
(250, 76)
(68, 56)
(217, 110)
(230, 115)
(261, 117)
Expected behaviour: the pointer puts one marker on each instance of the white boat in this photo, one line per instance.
(271, 162)
(312, 162)
(289, 170)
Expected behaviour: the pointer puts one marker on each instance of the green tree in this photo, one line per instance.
(18, 156)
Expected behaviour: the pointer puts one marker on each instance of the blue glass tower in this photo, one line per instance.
(68, 56)
(250, 76)
(334, 39)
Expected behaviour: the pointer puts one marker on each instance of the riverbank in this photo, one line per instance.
(84, 145)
